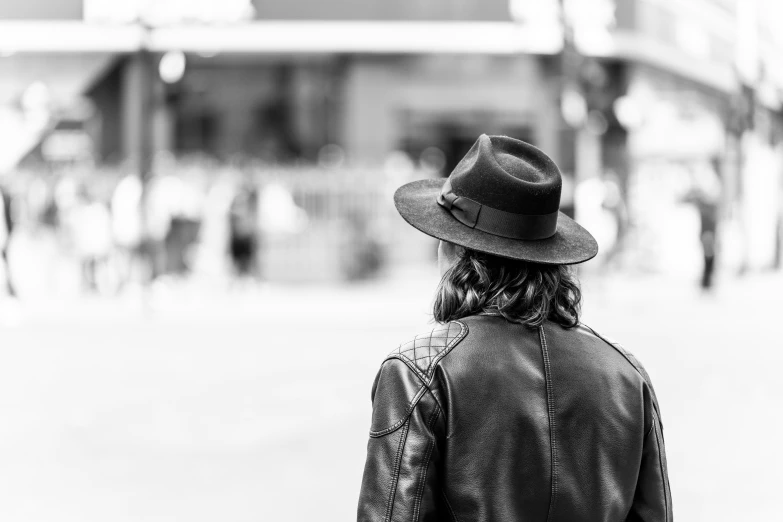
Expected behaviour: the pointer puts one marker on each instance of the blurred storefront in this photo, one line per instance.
(642, 95)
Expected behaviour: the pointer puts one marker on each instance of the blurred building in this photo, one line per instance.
(648, 90)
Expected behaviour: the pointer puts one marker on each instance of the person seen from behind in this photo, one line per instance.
(510, 409)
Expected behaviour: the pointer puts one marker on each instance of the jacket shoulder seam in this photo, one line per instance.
(410, 364)
(425, 465)
(662, 466)
(622, 351)
(631, 358)
(422, 354)
(408, 410)
(454, 342)
(396, 473)
(426, 386)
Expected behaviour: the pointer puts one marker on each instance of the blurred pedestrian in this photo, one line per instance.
(243, 230)
(185, 230)
(510, 409)
(160, 207)
(705, 196)
(127, 226)
(361, 254)
(614, 203)
(6, 228)
(590, 204)
(91, 232)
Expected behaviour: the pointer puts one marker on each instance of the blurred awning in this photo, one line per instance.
(67, 36)
(33, 87)
(356, 37)
(65, 75)
(281, 37)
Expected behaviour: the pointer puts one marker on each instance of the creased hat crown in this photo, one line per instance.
(509, 175)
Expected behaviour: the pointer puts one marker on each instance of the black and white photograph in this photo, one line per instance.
(408, 261)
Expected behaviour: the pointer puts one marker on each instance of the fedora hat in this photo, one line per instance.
(502, 198)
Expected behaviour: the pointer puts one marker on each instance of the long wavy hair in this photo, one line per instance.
(522, 292)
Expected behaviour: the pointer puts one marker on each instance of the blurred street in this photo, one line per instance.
(202, 266)
(177, 410)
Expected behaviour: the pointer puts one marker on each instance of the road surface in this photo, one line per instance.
(210, 406)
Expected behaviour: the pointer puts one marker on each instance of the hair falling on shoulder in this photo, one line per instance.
(520, 291)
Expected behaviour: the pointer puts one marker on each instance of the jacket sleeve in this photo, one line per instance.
(652, 501)
(400, 474)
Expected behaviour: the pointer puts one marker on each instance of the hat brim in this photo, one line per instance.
(416, 203)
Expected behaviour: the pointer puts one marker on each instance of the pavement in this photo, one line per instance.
(194, 403)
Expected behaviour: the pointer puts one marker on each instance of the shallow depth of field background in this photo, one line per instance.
(202, 268)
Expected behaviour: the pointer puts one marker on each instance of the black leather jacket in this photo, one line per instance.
(487, 420)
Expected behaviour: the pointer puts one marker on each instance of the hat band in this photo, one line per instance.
(497, 222)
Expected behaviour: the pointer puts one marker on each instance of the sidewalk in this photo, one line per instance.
(206, 405)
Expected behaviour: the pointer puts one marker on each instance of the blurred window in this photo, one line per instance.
(196, 132)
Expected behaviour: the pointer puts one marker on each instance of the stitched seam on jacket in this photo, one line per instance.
(411, 405)
(664, 472)
(448, 505)
(432, 394)
(410, 364)
(424, 382)
(628, 356)
(426, 376)
(396, 473)
(423, 472)
(463, 331)
(551, 410)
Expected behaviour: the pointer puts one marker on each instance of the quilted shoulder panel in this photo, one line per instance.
(423, 352)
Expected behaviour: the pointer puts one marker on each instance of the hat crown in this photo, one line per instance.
(509, 175)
